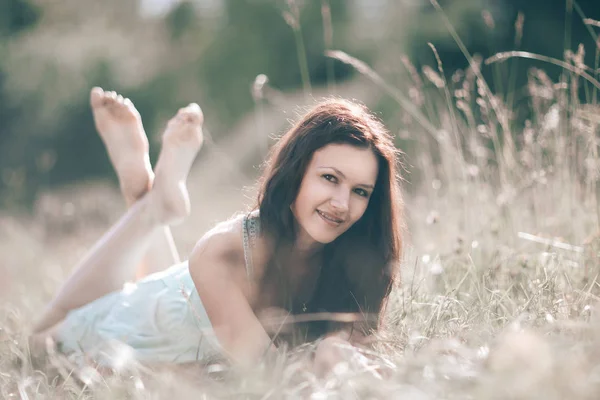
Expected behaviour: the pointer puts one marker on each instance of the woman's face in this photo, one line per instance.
(334, 192)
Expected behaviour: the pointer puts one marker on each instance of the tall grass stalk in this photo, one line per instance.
(568, 106)
(588, 24)
(505, 55)
(508, 150)
(258, 96)
(302, 59)
(512, 78)
(488, 20)
(328, 40)
(449, 102)
(455, 131)
(293, 20)
(577, 71)
(593, 100)
(396, 94)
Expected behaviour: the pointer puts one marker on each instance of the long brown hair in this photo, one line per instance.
(361, 265)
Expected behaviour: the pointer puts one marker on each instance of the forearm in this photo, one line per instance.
(244, 345)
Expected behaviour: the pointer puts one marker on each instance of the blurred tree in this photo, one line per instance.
(181, 19)
(487, 27)
(255, 38)
(51, 56)
(161, 62)
(17, 16)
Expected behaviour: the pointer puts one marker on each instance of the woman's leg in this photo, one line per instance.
(112, 260)
(120, 126)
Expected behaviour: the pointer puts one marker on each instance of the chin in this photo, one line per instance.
(324, 236)
(325, 239)
(321, 233)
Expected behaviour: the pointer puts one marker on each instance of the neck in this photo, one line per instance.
(306, 261)
(306, 248)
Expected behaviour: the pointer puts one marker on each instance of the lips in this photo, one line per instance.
(330, 219)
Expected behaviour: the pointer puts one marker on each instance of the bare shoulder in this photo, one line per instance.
(223, 243)
(223, 248)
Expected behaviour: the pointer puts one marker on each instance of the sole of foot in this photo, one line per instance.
(120, 126)
(181, 142)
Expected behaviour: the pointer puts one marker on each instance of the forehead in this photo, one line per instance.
(359, 165)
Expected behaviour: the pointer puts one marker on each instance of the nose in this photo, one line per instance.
(340, 201)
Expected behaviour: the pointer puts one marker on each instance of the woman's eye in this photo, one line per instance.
(361, 192)
(330, 177)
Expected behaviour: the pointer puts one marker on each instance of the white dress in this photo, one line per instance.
(158, 319)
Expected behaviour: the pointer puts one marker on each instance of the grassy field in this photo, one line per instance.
(499, 282)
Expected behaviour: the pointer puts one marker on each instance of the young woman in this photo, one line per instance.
(323, 240)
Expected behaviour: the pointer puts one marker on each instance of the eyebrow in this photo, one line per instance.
(344, 176)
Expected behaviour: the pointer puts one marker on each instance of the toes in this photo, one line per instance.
(109, 99)
(191, 114)
(112, 103)
(129, 104)
(194, 108)
(115, 101)
(100, 98)
(97, 97)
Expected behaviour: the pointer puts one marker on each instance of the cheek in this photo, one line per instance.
(304, 198)
(311, 194)
(358, 209)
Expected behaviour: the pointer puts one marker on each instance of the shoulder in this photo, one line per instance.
(224, 242)
(225, 248)
(217, 265)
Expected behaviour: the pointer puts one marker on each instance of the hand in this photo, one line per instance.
(334, 351)
(330, 352)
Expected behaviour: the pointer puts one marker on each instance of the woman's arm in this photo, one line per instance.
(218, 271)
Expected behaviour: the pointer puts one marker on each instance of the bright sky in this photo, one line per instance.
(158, 7)
(367, 8)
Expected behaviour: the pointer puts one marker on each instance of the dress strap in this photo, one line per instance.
(250, 230)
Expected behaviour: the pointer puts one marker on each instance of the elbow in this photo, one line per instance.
(239, 345)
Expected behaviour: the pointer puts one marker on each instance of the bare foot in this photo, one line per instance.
(120, 127)
(180, 144)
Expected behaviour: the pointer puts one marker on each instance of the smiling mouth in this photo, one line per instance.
(330, 218)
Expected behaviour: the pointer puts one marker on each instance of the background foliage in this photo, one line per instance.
(53, 52)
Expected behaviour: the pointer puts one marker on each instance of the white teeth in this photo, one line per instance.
(337, 221)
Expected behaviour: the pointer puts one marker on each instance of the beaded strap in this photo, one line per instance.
(250, 231)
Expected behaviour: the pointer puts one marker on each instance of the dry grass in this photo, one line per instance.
(500, 282)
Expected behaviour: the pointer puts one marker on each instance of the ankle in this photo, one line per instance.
(131, 197)
(169, 206)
